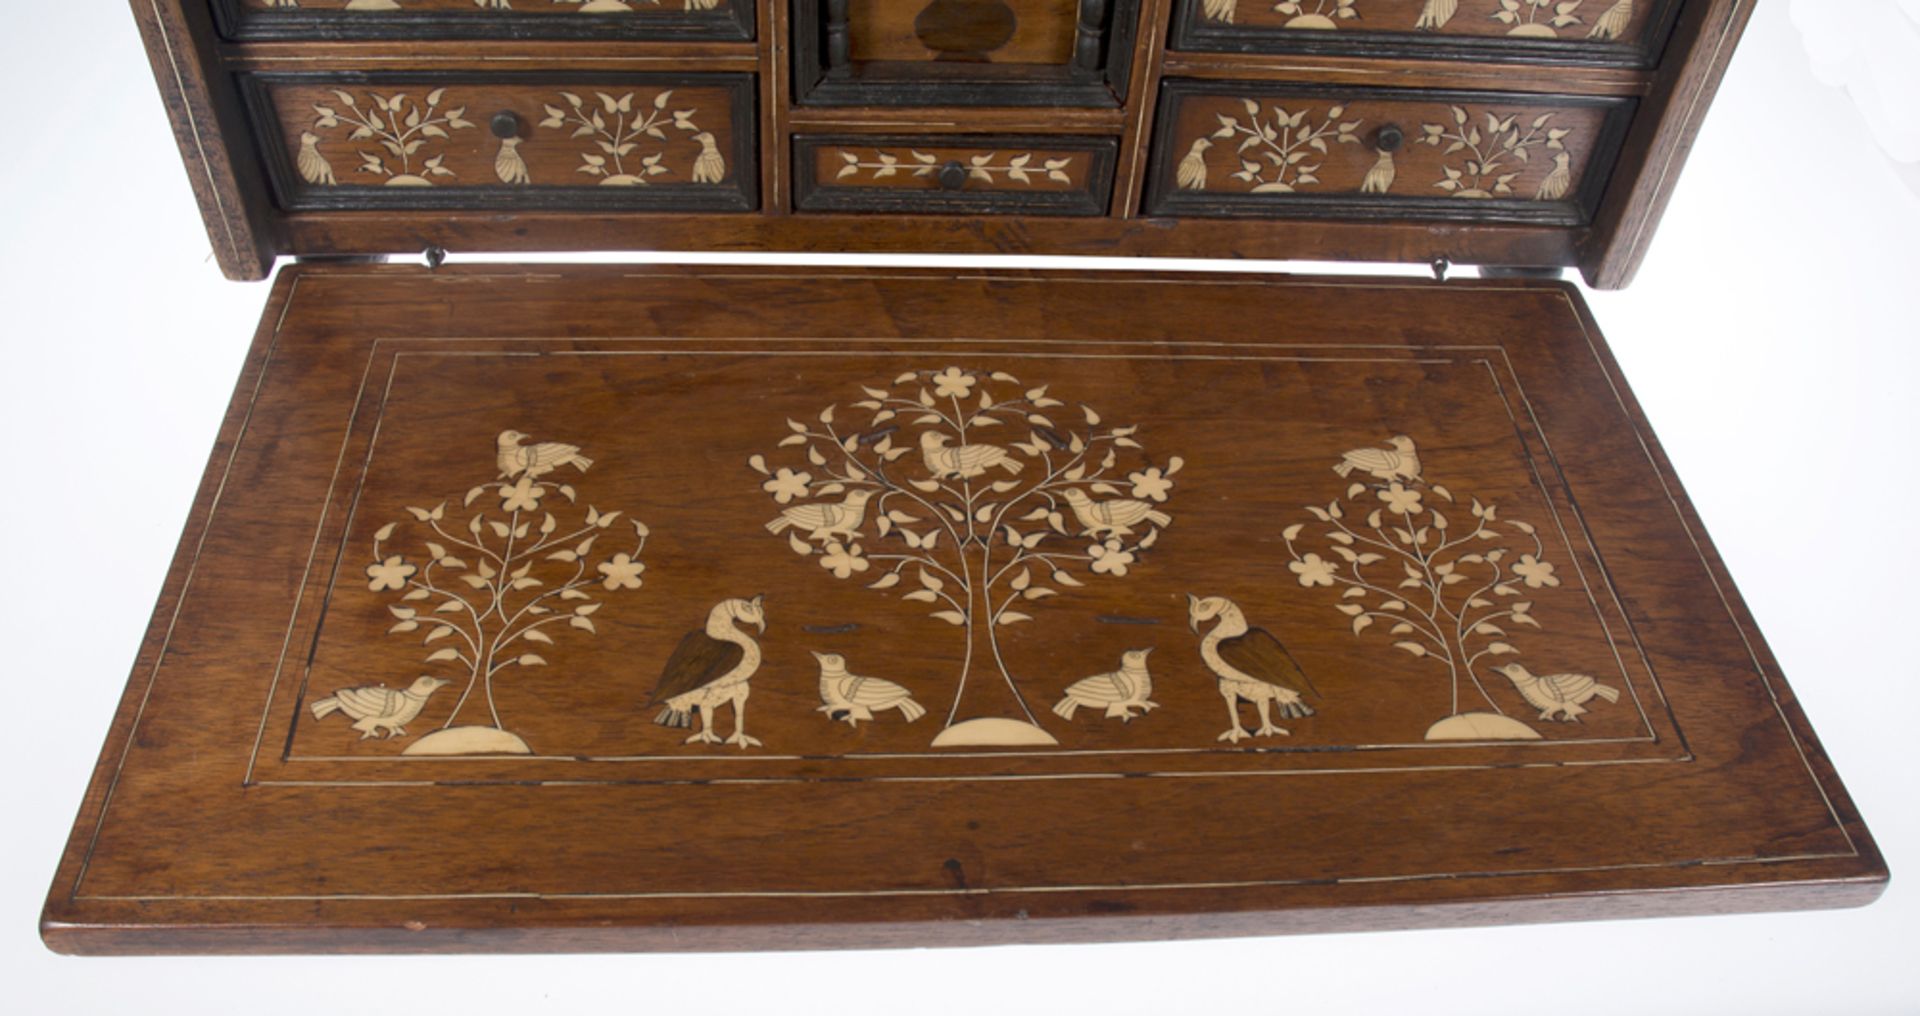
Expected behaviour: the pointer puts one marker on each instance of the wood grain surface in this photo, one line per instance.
(1251, 420)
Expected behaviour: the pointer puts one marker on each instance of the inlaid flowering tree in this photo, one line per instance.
(1274, 148)
(492, 582)
(402, 126)
(982, 498)
(1442, 589)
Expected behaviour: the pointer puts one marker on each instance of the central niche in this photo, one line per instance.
(963, 52)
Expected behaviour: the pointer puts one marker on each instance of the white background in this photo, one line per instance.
(1771, 336)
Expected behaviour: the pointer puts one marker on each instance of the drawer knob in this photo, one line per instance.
(1389, 138)
(953, 176)
(505, 125)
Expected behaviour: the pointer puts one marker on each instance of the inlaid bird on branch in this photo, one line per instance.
(850, 697)
(963, 462)
(1565, 694)
(1558, 180)
(313, 166)
(1116, 517)
(710, 668)
(536, 460)
(1436, 13)
(1250, 666)
(1192, 173)
(709, 166)
(1119, 692)
(374, 706)
(1611, 24)
(826, 522)
(1400, 462)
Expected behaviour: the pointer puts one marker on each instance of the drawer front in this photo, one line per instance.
(967, 174)
(1601, 32)
(1031, 53)
(1275, 150)
(618, 142)
(486, 19)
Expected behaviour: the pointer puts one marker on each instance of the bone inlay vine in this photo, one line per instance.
(989, 168)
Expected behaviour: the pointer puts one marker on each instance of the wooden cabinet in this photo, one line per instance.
(492, 557)
(1132, 86)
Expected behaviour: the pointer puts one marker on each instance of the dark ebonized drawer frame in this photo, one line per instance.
(732, 23)
(1164, 198)
(1095, 77)
(1193, 32)
(810, 196)
(292, 194)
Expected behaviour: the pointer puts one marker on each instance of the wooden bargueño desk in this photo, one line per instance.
(537, 608)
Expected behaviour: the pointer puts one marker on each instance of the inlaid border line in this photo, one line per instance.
(1666, 490)
(180, 602)
(1593, 547)
(1111, 887)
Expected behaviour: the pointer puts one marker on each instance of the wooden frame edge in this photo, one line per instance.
(203, 117)
(1656, 150)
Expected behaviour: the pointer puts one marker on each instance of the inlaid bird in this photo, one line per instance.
(1613, 22)
(1193, 168)
(709, 166)
(1401, 462)
(536, 460)
(313, 166)
(508, 165)
(1220, 10)
(1554, 187)
(1436, 14)
(1119, 692)
(1115, 517)
(963, 462)
(826, 522)
(1565, 694)
(711, 668)
(1250, 666)
(1379, 178)
(850, 697)
(374, 706)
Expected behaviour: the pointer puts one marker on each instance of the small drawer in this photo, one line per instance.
(715, 20)
(960, 174)
(1244, 149)
(1626, 33)
(513, 141)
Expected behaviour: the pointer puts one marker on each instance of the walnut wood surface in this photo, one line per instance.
(227, 814)
(231, 155)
